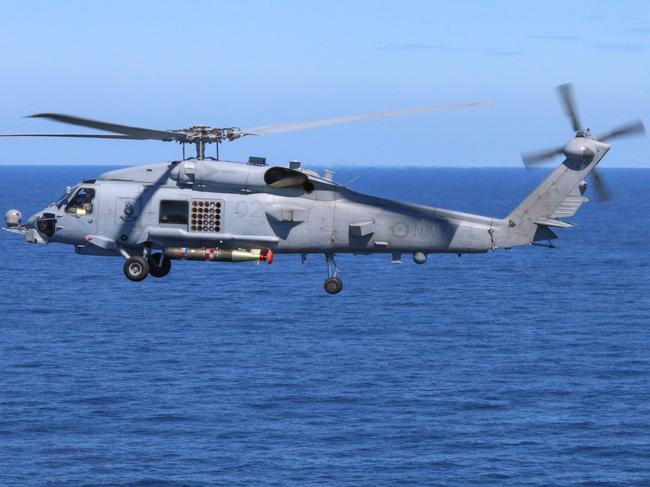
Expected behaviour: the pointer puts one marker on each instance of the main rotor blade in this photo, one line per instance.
(531, 158)
(276, 129)
(134, 132)
(602, 193)
(633, 128)
(568, 100)
(86, 136)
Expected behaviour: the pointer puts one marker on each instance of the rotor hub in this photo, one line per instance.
(580, 149)
(207, 134)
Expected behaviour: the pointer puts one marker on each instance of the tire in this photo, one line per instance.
(136, 269)
(161, 270)
(333, 285)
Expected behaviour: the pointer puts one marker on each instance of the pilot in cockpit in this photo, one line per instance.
(82, 202)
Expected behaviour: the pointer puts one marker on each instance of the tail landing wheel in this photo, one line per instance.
(333, 284)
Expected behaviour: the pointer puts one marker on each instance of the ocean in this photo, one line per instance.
(521, 367)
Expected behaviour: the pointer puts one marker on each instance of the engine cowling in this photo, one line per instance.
(221, 173)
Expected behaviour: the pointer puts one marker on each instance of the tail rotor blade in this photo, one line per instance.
(602, 193)
(633, 128)
(532, 158)
(568, 100)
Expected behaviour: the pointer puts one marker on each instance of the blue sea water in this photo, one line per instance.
(520, 367)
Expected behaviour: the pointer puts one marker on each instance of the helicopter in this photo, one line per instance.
(206, 209)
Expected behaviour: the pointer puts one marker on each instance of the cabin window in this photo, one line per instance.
(82, 202)
(174, 212)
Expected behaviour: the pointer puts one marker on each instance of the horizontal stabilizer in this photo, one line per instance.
(549, 222)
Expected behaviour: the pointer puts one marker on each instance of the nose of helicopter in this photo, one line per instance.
(39, 227)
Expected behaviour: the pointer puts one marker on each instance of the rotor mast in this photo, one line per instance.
(200, 135)
(200, 149)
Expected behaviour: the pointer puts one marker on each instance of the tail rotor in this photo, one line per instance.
(580, 147)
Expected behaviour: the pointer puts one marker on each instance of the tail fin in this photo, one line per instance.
(559, 195)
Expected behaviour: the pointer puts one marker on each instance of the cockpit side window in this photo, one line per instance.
(82, 202)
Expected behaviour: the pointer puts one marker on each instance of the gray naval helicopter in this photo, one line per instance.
(208, 209)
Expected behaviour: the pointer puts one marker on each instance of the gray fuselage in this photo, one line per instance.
(127, 209)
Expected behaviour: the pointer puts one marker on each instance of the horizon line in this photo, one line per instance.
(336, 167)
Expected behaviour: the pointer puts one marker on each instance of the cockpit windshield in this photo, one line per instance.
(62, 200)
(65, 197)
(82, 202)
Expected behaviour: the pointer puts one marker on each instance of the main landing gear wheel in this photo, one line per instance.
(333, 285)
(159, 265)
(136, 268)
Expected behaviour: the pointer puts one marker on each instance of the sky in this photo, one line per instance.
(168, 65)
